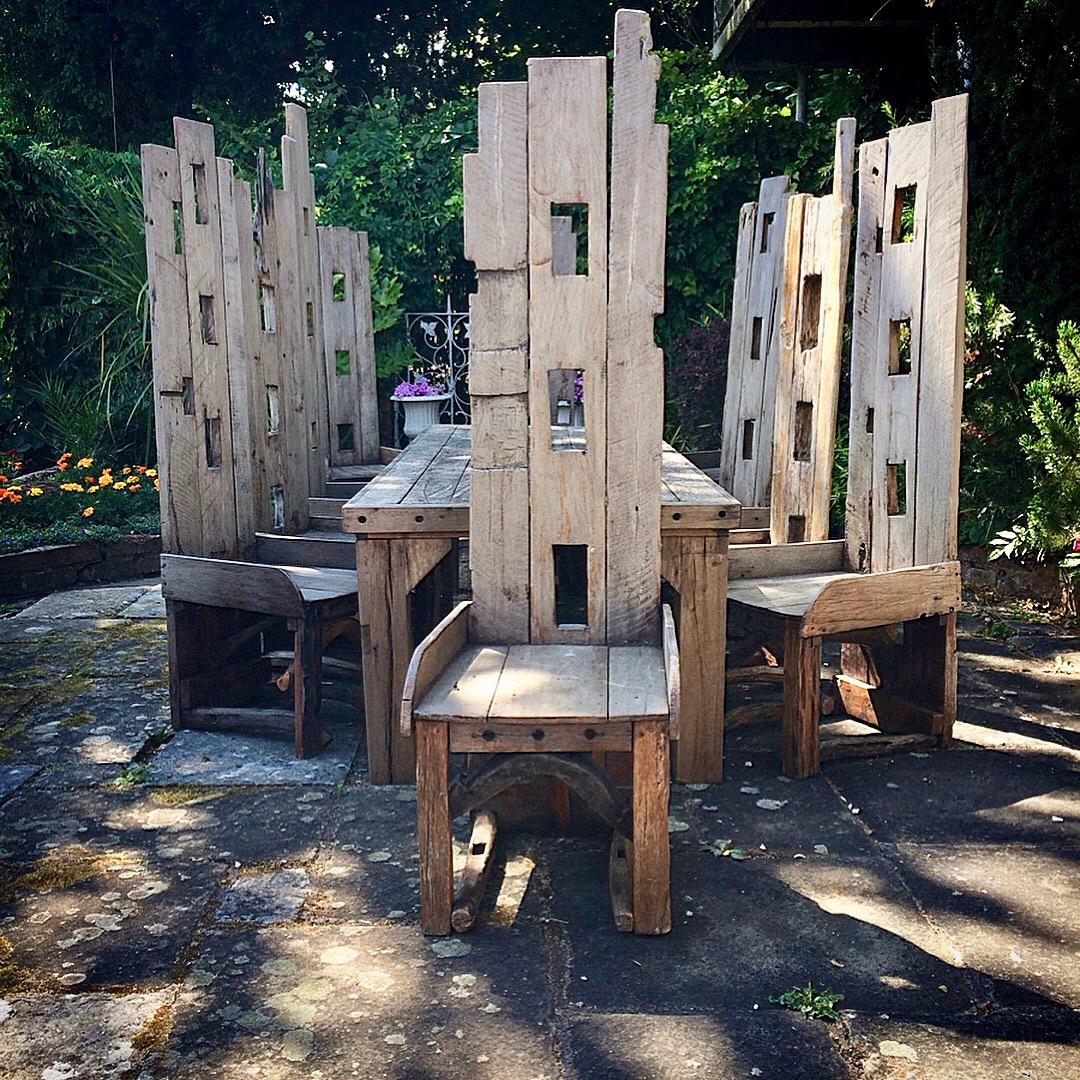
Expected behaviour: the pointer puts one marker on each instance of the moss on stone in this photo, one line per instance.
(60, 869)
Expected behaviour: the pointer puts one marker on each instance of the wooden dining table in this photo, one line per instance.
(408, 522)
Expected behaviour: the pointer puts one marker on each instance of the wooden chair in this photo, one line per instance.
(890, 590)
(263, 386)
(564, 650)
(783, 378)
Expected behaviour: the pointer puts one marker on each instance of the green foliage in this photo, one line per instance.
(814, 1004)
(73, 357)
(1051, 522)
(724, 136)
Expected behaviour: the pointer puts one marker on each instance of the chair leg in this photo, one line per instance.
(307, 685)
(433, 826)
(800, 736)
(652, 853)
(927, 673)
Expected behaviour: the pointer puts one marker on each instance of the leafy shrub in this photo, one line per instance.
(1051, 523)
(695, 384)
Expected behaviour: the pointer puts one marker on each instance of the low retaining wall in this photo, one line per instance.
(43, 570)
(1043, 583)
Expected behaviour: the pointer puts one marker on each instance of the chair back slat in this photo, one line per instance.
(248, 416)
(907, 344)
(567, 405)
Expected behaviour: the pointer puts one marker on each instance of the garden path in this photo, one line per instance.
(226, 909)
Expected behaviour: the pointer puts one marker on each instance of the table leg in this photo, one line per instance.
(697, 567)
(387, 571)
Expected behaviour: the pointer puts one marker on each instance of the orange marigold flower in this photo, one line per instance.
(126, 469)
(87, 511)
(13, 498)
(84, 463)
(132, 486)
(62, 461)
(3, 479)
(89, 479)
(140, 469)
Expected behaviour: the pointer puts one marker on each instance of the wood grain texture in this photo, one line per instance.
(430, 659)
(696, 568)
(567, 164)
(941, 383)
(474, 874)
(799, 740)
(181, 506)
(754, 344)
(433, 827)
(652, 853)
(813, 298)
(201, 217)
(864, 600)
(635, 366)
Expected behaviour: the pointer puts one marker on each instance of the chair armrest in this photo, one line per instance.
(671, 668)
(430, 657)
(893, 596)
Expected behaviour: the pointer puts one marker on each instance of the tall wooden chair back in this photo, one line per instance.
(907, 344)
(784, 358)
(754, 345)
(567, 387)
(262, 348)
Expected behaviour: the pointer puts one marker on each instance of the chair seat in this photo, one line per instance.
(321, 583)
(790, 595)
(527, 684)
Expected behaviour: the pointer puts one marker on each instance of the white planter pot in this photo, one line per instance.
(421, 412)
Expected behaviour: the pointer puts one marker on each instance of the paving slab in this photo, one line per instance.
(964, 796)
(12, 777)
(151, 605)
(15, 629)
(1012, 911)
(275, 896)
(87, 899)
(130, 649)
(84, 731)
(744, 932)
(70, 1036)
(1012, 1045)
(102, 601)
(367, 1001)
(211, 757)
(756, 806)
(771, 1043)
(368, 870)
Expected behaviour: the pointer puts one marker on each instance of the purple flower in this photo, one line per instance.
(419, 387)
(579, 388)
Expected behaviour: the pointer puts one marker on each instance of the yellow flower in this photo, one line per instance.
(92, 488)
(104, 480)
(88, 511)
(84, 463)
(36, 491)
(127, 469)
(119, 485)
(151, 472)
(157, 486)
(71, 487)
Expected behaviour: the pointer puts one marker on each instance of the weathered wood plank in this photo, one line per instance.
(474, 875)
(433, 827)
(652, 852)
(941, 373)
(635, 367)
(175, 426)
(567, 160)
(430, 659)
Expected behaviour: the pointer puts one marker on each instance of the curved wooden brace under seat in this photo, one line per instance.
(502, 771)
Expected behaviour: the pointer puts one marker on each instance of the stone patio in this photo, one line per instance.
(226, 910)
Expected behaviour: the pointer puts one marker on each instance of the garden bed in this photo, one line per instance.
(44, 569)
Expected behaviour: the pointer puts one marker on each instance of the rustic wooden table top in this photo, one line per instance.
(425, 492)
